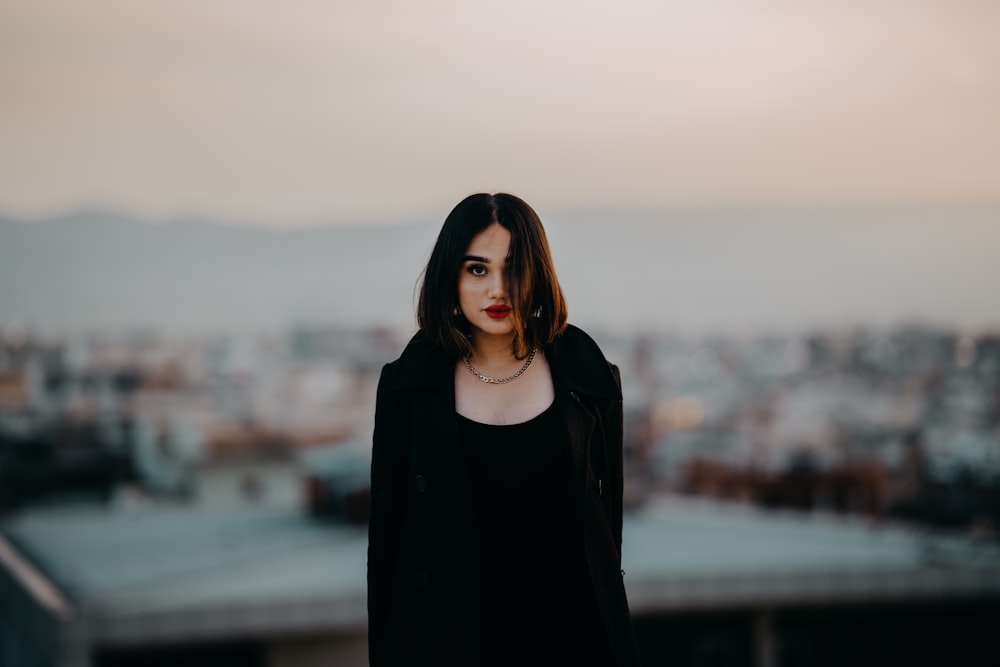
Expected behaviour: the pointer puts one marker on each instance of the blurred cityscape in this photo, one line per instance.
(900, 423)
(890, 437)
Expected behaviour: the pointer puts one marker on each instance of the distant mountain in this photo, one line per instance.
(682, 270)
(96, 270)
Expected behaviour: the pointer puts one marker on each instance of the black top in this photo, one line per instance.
(538, 605)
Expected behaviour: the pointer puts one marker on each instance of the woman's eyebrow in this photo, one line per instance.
(475, 258)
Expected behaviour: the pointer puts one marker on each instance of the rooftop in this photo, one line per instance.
(159, 572)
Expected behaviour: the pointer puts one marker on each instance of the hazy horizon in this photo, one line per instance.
(749, 272)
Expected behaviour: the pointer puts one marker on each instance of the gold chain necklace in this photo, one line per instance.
(488, 380)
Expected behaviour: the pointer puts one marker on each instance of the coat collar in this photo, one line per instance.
(420, 366)
(576, 361)
(578, 365)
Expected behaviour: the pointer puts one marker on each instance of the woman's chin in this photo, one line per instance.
(493, 328)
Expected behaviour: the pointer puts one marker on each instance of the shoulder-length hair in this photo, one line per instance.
(536, 299)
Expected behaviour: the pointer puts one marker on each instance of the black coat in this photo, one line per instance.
(423, 597)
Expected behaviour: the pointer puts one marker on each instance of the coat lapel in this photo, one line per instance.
(577, 425)
(429, 376)
(579, 369)
(434, 410)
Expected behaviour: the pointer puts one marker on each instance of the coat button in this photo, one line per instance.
(420, 579)
(421, 483)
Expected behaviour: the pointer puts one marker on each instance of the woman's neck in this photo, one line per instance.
(492, 350)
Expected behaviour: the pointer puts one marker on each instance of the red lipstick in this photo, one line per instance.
(498, 312)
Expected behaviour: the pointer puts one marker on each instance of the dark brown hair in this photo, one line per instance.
(538, 306)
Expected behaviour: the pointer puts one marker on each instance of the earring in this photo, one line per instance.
(455, 311)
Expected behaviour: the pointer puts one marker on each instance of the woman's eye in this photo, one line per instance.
(476, 269)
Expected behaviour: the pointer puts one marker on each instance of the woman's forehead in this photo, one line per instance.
(491, 243)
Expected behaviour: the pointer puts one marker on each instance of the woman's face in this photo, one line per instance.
(482, 289)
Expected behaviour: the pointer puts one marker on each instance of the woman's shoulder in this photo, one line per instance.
(577, 357)
(573, 332)
(574, 341)
(419, 364)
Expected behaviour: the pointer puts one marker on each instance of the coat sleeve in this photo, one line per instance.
(388, 494)
(614, 438)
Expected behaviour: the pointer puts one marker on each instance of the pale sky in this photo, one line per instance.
(310, 111)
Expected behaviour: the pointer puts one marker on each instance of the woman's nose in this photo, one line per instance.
(497, 286)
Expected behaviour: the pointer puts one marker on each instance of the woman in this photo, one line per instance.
(495, 531)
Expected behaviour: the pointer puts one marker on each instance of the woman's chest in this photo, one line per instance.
(510, 403)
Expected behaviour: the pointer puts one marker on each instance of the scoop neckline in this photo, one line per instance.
(527, 421)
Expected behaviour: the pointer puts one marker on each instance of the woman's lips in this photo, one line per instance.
(498, 312)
